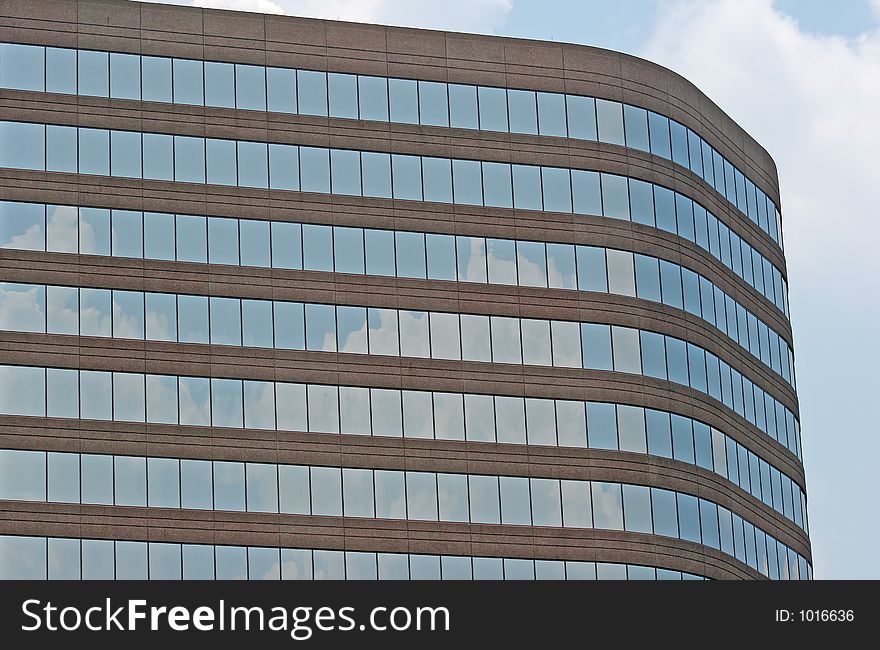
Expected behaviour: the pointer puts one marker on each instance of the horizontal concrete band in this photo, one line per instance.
(393, 138)
(156, 357)
(387, 293)
(591, 231)
(379, 50)
(354, 534)
(375, 452)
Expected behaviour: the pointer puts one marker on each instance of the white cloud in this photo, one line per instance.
(813, 102)
(463, 15)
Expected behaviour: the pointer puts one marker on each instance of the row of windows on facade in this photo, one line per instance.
(163, 399)
(225, 240)
(389, 494)
(128, 76)
(404, 333)
(62, 558)
(355, 173)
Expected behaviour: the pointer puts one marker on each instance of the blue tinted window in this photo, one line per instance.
(527, 187)
(601, 425)
(21, 66)
(404, 101)
(463, 106)
(615, 196)
(283, 167)
(433, 103)
(670, 283)
(345, 172)
(192, 239)
(94, 73)
(343, 95)
(311, 92)
(676, 358)
(281, 90)
(373, 98)
(647, 277)
(581, 117)
(156, 78)
(689, 517)
(641, 196)
(314, 169)
(556, 185)
(125, 76)
(125, 154)
(610, 121)
(376, 173)
(493, 108)
(592, 274)
(467, 182)
(659, 432)
(586, 194)
(636, 125)
(597, 346)
(189, 159)
(158, 156)
(497, 185)
(406, 177)
(188, 82)
(250, 87)
(679, 143)
(551, 114)
(658, 126)
(219, 84)
(523, 110)
(653, 355)
(60, 70)
(22, 145)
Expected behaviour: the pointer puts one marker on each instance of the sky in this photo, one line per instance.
(803, 78)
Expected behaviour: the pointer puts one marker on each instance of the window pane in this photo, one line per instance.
(293, 487)
(433, 103)
(312, 92)
(631, 428)
(229, 488)
(636, 124)
(94, 72)
(515, 503)
(253, 164)
(566, 344)
(484, 499)
(158, 163)
(615, 198)
(637, 507)
(164, 482)
(125, 76)
(317, 247)
(357, 492)
(556, 186)
(607, 505)
(281, 90)
(601, 425)
(262, 487)
(130, 480)
(226, 403)
(510, 420)
(62, 393)
(323, 409)
(497, 185)
(463, 106)
(98, 560)
(97, 479)
(161, 316)
(610, 121)
(449, 416)
(406, 177)
(571, 423)
(345, 168)
(22, 307)
(351, 328)
(326, 491)
(410, 255)
(156, 78)
(585, 192)
(95, 395)
(189, 159)
(254, 242)
(551, 114)
(404, 101)
(22, 67)
(373, 98)
(22, 475)
(581, 117)
(188, 83)
(627, 355)
(286, 245)
(259, 405)
(196, 485)
(314, 169)
(523, 111)
(22, 146)
(493, 108)
(225, 321)
(283, 167)
(250, 87)
(128, 397)
(527, 187)
(597, 346)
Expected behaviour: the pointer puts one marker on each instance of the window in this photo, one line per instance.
(581, 117)
(156, 81)
(631, 428)
(94, 72)
(615, 198)
(22, 475)
(493, 109)
(188, 82)
(515, 508)
(22, 226)
(601, 425)
(404, 101)
(607, 505)
(636, 126)
(21, 67)
(125, 76)
(281, 90)
(566, 344)
(609, 116)
(262, 487)
(22, 146)
(226, 403)
(571, 423)
(523, 111)
(484, 499)
(546, 502)
(497, 185)
(390, 494)
(373, 98)
(527, 187)
(637, 508)
(597, 346)
(312, 92)
(627, 355)
(463, 106)
(433, 103)
(345, 168)
(314, 169)
(250, 87)
(621, 273)
(421, 496)
(659, 433)
(551, 114)
(510, 420)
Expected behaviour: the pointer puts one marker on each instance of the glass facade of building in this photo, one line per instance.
(303, 289)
